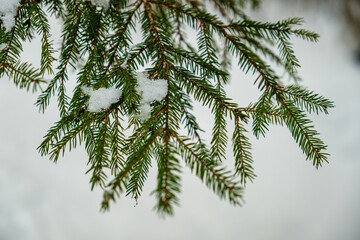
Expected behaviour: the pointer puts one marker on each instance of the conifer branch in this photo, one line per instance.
(7, 50)
(54, 133)
(307, 99)
(287, 53)
(219, 180)
(219, 134)
(187, 117)
(68, 56)
(127, 118)
(99, 157)
(264, 112)
(138, 176)
(116, 142)
(204, 89)
(71, 138)
(168, 180)
(119, 182)
(243, 158)
(40, 21)
(24, 75)
(303, 133)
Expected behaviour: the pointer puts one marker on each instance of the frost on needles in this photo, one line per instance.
(132, 104)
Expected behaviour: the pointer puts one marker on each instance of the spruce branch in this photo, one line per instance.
(99, 154)
(216, 178)
(68, 57)
(119, 183)
(304, 133)
(242, 148)
(117, 139)
(42, 26)
(125, 132)
(24, 75)
(308, 100)
(219, 135)
(168, 186)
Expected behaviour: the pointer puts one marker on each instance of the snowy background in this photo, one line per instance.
(289, 200)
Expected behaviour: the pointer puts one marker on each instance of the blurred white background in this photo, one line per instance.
(290, 199)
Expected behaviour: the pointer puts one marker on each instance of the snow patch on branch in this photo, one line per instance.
(101, 3)
(102, 98)
(150, 91)
(8, 10)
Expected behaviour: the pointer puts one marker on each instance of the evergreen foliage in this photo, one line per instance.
(122, 147)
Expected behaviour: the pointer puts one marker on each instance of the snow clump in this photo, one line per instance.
(8, 10)
(150, 91)
(101, 3)
(102, 98)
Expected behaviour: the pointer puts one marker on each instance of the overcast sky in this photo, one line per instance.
(288, 200)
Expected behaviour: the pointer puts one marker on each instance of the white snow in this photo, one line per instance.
(150, 91)
(102, 98)
(101, 3)
(8, 10)
(145, 111)
(2, 46)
